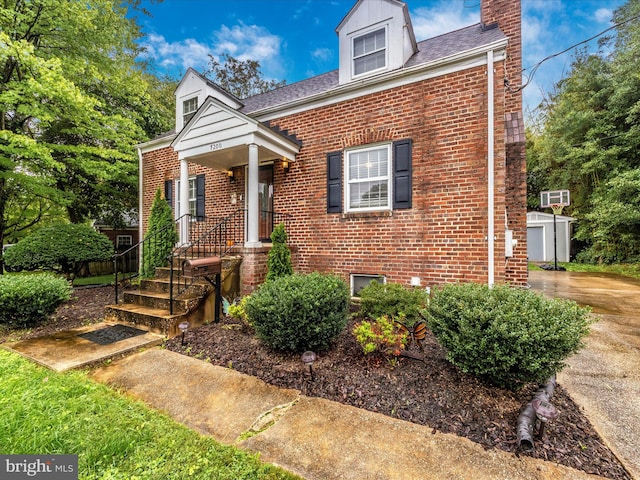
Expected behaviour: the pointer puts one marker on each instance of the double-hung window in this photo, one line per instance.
(192, 197)
(375, 177)
(189, 108)
(368, 174)
(370, 52)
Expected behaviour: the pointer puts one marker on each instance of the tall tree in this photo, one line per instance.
(73, 104)
(590, 142)
(241, 78)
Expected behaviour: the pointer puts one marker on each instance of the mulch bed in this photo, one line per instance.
(432, 393)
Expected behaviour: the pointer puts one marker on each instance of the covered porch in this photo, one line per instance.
(222, 138)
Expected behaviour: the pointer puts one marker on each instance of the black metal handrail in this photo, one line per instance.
(129, 264)
(226, 234)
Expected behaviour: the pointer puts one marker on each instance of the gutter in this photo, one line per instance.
(490, 167)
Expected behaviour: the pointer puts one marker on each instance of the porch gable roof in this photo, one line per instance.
(218, 136)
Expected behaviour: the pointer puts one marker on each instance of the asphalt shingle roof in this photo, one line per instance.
(429, 50)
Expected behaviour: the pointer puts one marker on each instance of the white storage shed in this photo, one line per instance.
(540, 247)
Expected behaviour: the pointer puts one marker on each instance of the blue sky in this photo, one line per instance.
(296, 39)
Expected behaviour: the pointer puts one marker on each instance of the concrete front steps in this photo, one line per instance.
(149, 305)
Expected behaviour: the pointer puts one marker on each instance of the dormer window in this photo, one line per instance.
(189, 108)
(370, 52)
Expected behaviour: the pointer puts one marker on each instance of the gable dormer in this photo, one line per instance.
(375, 37)
(191, 93)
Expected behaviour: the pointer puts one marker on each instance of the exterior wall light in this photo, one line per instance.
(231, 175)
(285, 166)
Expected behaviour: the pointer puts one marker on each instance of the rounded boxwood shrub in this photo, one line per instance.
(392, 300)
(64, 248)
(26, 300)
(299, 312)
(505, 335)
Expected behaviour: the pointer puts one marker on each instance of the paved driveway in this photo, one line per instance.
(604, 377)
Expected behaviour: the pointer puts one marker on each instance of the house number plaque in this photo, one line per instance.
(215, 146)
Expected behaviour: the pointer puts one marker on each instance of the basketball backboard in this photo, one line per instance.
(554, 197)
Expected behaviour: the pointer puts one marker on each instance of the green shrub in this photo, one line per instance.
(238, 310)
(383, 335)
(392, 300)
(162, 237)
(299, 312)
(279, 259)
(63, 248)
(26, 300)
(504, 335)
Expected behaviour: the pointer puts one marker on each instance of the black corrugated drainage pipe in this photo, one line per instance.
(527, 419)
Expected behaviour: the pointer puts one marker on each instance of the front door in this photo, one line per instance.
(265, 199)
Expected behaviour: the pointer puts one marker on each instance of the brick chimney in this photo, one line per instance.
(507, 14)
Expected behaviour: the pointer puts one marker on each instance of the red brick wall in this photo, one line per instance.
(443, 237)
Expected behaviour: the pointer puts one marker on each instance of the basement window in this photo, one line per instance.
(359, 281)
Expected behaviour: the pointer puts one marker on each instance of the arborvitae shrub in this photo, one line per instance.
(299, 312)
(162, 237)
(26, 300)
(392, 300)
(506, 336)
(279, 259)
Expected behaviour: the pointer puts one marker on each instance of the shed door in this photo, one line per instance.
(535, 244)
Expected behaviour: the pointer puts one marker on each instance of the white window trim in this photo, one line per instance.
(192, 178)
(353, 276)
(347, 183)
(118, 237)
(190, 113)
(360, 34)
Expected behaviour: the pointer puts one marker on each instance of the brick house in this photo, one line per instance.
(406, 163)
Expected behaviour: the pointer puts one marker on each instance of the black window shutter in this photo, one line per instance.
(334, 182)
(402, 174)
(168, 192)
(200, 197)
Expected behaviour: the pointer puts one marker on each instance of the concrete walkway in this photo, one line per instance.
(312, 437)
(604, 377)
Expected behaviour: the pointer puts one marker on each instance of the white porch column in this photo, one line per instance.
(184, 201)
(253, 209)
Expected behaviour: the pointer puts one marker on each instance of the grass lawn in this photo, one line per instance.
(98, 280)
(627, 269)
(114, 437)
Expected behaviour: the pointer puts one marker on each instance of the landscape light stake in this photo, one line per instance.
(183, 326)
(545, 411)
(308, 358)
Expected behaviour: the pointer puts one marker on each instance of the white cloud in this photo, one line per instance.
(322, 54)
(445, 16)
(176, 56)
(247, 42)
(244, 42)
(603, 15)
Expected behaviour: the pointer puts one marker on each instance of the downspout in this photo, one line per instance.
(490, 167)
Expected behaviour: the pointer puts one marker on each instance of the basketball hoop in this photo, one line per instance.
(557, 209)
